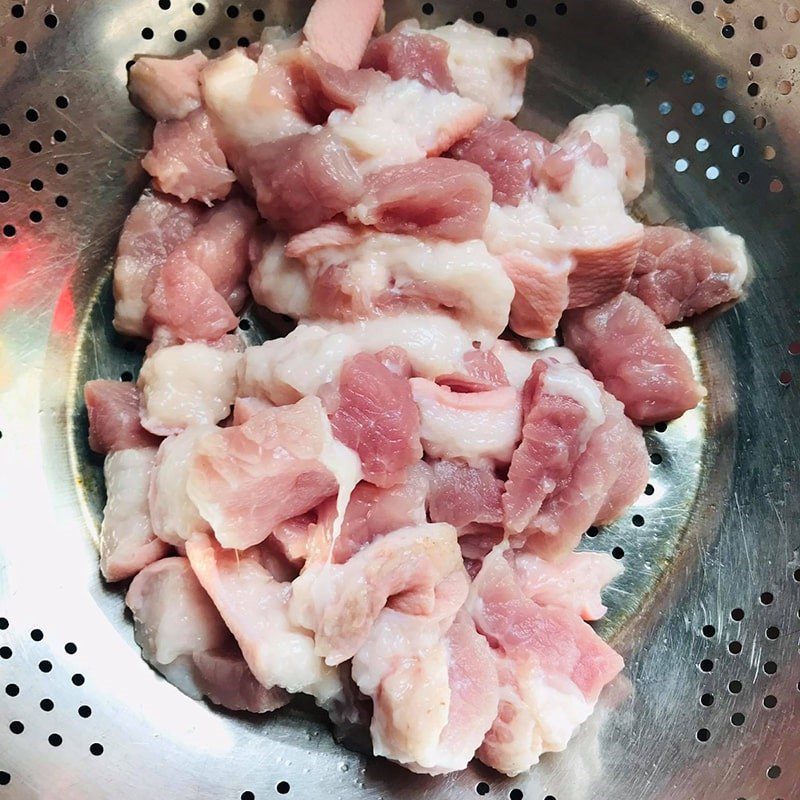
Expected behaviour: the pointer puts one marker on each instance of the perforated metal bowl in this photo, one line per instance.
(707, 612)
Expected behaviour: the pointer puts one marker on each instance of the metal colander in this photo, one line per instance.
(706, 614)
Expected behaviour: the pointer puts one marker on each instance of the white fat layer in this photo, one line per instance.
(567, 381)
(732, 247)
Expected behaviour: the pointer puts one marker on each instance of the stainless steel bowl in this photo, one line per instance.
(707, 612)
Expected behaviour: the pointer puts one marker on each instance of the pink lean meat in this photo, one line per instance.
(416, 570)
(629, 350)
(407, 52)
(435, 197)
(551, 667)
(282, 462)
(186, 160)
(182, 635)
(679, 274)
(114, 424)
(154, 228)
(373, 413)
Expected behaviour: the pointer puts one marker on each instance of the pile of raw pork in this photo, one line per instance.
(380, 509)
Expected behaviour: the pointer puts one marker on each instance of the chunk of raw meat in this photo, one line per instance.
(634, 473)
(407, 52)
(480, 428)
(487, 68)
(679, 273)
(374, 414)
(362, 275)
(173, 616)
(183, 636)
(416, 570)
(322, 87)
(225, 679)
(127, 541)
(166, 88)
(608, 476)
(539, 264)
(629, 350)
(304, 180)
(604, 241)
(201, 284)
(114, 424)
(403, 123)
(278, 282)
(339, 30)
(552, 667)
(541, 284)
(188, 384)
(186, 160)
(460, 495)
(281, 463)
(612, 128)
(435, 693)
(373, 512)
(185, 302)
(154, 228)
(518, 361)
(482, 371)
(435, 344)
(513, 158)
(297, 365)
(574, 582)
(563, 408)
(254, 606)
(250, 102)
(173, 515)
(436, 197)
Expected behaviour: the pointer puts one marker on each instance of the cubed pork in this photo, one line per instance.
(127, 541)
(628, 349)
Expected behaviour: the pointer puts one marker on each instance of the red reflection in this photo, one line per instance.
(30, 271)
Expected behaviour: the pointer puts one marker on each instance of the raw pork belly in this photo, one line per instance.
(437, 197)
(374, 512)
(114, 424)
(358, 275)
(679, 273)
(187, 161)
(434, 690)
(187, 384)
(374, 414)
(173, 514)
(154, 228)
(416, 570)
(629, 350)
(167, 88)
(246, 480)
(183, 636)
(551, 667)
(254, 605)
(127, 541)
(380, 509)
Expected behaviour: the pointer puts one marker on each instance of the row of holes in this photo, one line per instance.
(17, 727)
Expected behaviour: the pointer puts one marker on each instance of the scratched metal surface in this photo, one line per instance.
(707, 612)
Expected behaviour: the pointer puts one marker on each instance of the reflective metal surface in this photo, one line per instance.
(707, 612)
